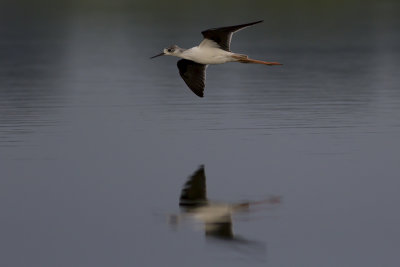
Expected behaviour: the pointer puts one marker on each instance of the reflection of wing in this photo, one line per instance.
(220, 229)
(194, 191)
(217, 219)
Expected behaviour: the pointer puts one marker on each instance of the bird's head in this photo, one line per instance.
(170, 51)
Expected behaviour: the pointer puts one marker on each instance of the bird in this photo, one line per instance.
(213, 49)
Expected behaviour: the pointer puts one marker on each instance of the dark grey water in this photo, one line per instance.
(97, 141)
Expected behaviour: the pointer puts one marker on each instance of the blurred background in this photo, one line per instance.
(97, 140)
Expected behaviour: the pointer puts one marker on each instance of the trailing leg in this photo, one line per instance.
(246, 59)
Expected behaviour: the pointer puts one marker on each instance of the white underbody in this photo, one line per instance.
(206, 53)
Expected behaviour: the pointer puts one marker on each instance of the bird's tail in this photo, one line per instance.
(245, 59)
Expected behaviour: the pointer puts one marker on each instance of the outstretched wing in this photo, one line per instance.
(194, 75)
(222, 36)
(194, 191)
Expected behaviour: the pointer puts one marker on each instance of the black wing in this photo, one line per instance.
(194, 191)
(222, 36)
(194, 75)
(222, 229)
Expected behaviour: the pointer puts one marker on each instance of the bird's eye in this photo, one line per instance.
(170, 50)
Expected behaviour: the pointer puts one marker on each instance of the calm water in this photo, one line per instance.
(97, 141)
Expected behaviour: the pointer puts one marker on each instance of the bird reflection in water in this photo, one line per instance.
(215, 216)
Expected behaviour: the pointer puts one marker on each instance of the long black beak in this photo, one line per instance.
(161, 54)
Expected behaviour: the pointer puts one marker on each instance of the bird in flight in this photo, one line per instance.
(214, 49)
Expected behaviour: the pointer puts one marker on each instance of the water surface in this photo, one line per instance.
(96, 140)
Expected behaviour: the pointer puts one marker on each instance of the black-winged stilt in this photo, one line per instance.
(214, 49)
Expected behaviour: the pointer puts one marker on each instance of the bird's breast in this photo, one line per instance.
(208, 55)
